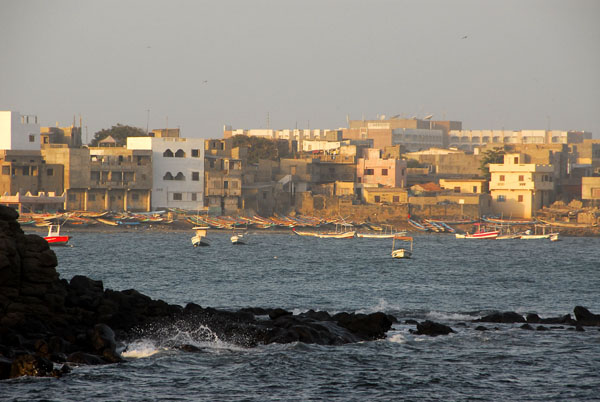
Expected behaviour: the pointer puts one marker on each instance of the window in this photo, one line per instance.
(234, 184)
(195, 176)
(72, 197)
(520, 198)
(135, 197)
(91, 197)
(457, 189)
(31, 137)
(195, 153)
(194, 197)
(168, 176)
(501, 177)
(180, 176)
(95, 176)
(177, 197)
(6, 170)
(396, 198)
(180, 153)
(501, 198)
(474, 189)
(516, 160)
(26, 171)
(264, 196)
(521, 177)
(50, 172)
(384, 172)
(225, 184)
(369, 172)
(168, 153)
(377, 198)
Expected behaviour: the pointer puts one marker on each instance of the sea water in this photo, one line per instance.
(452, 281)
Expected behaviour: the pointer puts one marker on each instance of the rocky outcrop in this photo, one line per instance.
(46, 320)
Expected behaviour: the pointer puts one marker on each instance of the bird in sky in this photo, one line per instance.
(464, 37)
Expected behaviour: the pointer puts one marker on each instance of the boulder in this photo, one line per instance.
(585, 318)
(508, 317)
(431, 328)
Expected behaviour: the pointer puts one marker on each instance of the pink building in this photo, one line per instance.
(374, 170)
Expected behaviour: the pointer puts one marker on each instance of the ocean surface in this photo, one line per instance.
(451, 281)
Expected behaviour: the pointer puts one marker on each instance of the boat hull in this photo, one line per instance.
(57, 240)
(401, 253)
(199, 241)
(481, 235)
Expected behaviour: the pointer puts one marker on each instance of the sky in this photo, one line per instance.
(198, 65)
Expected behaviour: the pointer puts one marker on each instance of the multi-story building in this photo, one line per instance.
(26, 172)
(519, 189)
(223, 176)
(177, 169)
(375, 171)
(469, 139)
(104, 178)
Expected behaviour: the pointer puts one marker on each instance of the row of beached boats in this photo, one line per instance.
(84, 219)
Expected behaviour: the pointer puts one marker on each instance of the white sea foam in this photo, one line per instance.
(438, 315)
(140, 349)
(397, 338)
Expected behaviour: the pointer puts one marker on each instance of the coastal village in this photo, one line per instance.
(410, 173)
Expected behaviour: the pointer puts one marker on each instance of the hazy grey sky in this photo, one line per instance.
(199, 64)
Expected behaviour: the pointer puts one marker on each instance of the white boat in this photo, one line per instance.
(337, 235)
(388, 233)
(200, 238)
(238, 238)
(402, 252)
(535, 235)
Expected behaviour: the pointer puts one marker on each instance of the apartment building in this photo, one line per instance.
(223, 173)
(103, 178)
(519, 189)
(373, 170)
(469, 139)
(19, 132)
(177, 169)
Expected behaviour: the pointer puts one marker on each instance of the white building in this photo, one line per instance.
(177, 170)
(19, 132)
(417, 139)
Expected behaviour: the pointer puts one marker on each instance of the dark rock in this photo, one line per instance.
(527, 327)
(367, 326)
(533, 318)
(30, 365)
(508, 317)
(585, 317)
(411, 322)
(278, 312)
(431, 328)
(481, 328)
(5, 366)
(85, 358)
(542, 328)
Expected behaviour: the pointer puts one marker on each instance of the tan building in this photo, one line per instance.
(392, 196)
(590, 190)
(223, 176)
(519, 189)
(474, 186)
(104, 178)
(70, 136)
(23, 172)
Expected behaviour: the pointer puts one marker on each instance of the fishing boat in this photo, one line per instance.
(402, 252)
(481, 233)
(200, 238)
(342, 231)
(417, 225)
(536, 235)
(385, 232)
(54, 237)
(238, 237)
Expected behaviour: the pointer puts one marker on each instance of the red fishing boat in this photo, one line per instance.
(54, 237)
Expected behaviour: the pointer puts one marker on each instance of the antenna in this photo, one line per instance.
(268, 121)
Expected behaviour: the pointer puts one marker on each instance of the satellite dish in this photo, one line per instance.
(429, 116)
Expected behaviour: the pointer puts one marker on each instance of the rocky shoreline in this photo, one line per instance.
(49, 324)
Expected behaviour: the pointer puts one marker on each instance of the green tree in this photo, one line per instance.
(495, 155)
(258, 148)
(120, 133)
